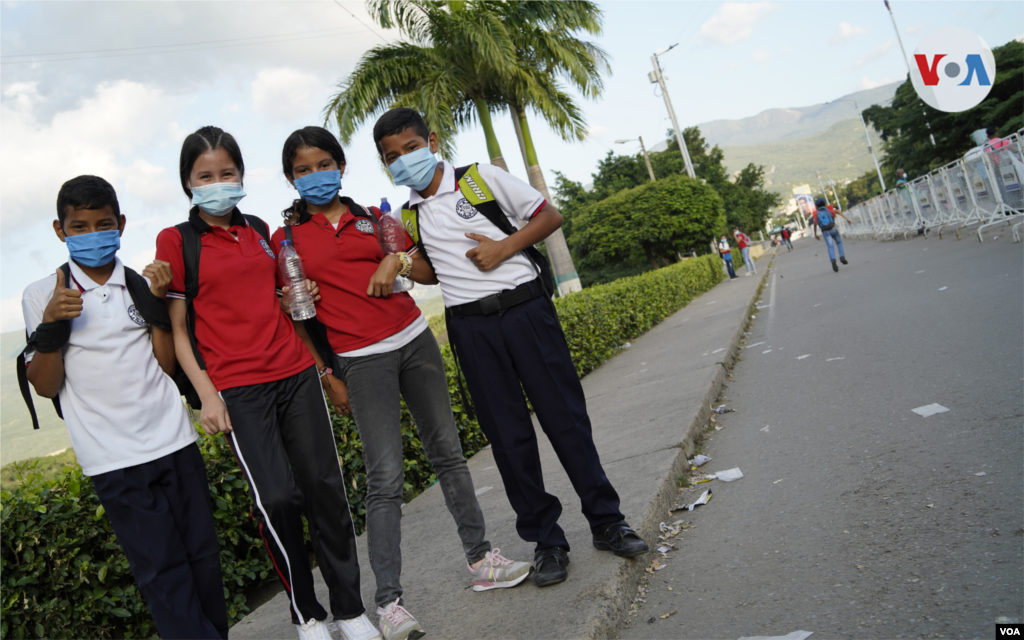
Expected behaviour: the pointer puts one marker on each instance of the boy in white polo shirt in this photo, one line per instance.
(505, 335)
(91, 345)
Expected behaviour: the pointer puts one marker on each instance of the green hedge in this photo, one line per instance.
(63, 573)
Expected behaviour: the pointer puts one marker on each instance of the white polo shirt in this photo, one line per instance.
(119, 406)
(446, 217)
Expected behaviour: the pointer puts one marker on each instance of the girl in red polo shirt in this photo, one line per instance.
(259, 386)
(379, 347)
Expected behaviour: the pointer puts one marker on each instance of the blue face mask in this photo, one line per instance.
(319, 187)
(94, 249)
(218, 199)
(414, 169)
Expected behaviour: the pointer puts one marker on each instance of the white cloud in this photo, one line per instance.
(875, 54)
(11, 318)
(286, 94)
(117, 121)
(915, 29)
(735, 21)
(141, 259)
(846, 32)
(868, 83)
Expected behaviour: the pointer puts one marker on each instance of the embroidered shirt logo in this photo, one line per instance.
(136, 317)
(364, 225)
(266, 247)
(464, 209)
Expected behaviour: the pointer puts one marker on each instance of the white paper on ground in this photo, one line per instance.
(803, 356)
(796, 635)
(700, 460)
(930, 410)
(729, 474)
(482, 490)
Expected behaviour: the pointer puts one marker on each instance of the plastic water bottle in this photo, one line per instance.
(393, 241)
(294, 276)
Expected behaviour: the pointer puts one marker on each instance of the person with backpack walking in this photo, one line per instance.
(258, 385)
(505, 334)
(99, 344)
(825, 219)
(725, 251)
(743, 241)
(786, 235)
(378, 348)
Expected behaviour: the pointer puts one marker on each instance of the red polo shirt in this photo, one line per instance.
(242, 334)
(342, 261)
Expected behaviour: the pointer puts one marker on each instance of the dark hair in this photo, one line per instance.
(396, 121)
(203, 140)
(85, 192)
(990, 132)
(316, 138)
(820, 202)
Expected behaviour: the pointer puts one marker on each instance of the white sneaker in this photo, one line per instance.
(313, 630)
(497, 572)
(398, 624)
(358, 629)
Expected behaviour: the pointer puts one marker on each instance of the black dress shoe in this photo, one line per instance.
(835, 267)
(549, 566)
(620, 540)
(843, 260)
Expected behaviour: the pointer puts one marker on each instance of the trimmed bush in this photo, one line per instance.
(64, 575)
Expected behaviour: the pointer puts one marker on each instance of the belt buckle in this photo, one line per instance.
(490, 304)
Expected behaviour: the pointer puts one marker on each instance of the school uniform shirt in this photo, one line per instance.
(724, 250)
(119, 406)
(243, 336)
(446, 217)
(742, 240)
(341, 259)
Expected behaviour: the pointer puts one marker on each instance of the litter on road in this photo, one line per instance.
(930, 410)
(831, 359)
(768, 351)
(700, 460)
(943, 288)
(796, 635)
(729, 474)
(665, 615)
(806, 355)
(981, 474)
(765, 428)
(780, 480)
(721, 409)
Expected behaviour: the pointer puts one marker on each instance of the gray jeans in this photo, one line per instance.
(374, 383)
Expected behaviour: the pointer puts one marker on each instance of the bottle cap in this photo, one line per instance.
(285, 241)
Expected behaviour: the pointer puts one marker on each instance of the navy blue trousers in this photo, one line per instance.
(163, 519)
(523, 349)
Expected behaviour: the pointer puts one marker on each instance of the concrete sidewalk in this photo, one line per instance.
(643, 404)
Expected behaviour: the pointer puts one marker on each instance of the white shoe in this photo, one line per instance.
(396, 623)
(313, 630)
(358, 629)
(498, 572)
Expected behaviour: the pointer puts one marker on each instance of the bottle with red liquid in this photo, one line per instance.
(393, 241)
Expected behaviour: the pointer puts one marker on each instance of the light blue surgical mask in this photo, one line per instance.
(94, 249)
(218, 199)
(319, 187)
(414, 169)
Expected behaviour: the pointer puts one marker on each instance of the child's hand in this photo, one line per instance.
(383, 279)
(489, 254)
(214, 416)
(338, 394)
(64, 304)
(314, 292)
(159, 274)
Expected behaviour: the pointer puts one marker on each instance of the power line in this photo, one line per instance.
(361, 22)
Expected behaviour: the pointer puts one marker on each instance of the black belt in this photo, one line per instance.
(500, 301)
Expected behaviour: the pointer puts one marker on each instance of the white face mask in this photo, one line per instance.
(218, 199)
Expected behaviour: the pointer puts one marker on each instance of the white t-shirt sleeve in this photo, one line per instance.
(515, 197)
(33, 302)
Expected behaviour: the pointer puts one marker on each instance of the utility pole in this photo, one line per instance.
(823, 192)
(647, 158)
(906, 61)
(871, 149)
(659, 77)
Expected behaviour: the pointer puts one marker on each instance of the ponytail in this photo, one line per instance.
(294, 213)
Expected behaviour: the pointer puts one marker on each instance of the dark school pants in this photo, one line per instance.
(283, 440)
(163, 519)
(523, 348)
(728, 264)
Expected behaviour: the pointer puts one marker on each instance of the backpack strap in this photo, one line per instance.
(152, 308)
(191, 246)
(261, 227)
(23, 385)
(411, 222)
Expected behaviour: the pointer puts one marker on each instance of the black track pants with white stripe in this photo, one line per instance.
(285, 446)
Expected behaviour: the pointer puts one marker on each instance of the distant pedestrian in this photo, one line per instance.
(786, 234)
(725, 251)
(743, 240)
(824, 218)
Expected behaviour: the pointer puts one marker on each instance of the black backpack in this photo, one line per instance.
(191, 247)
(152, 309)
(316, 329)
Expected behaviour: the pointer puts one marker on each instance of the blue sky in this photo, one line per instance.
(101, 104)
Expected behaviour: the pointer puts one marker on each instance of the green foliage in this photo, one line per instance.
(905, 126)
(438, 328)
(64, 574)
(863, 188)
(652, 222)
(12, 475)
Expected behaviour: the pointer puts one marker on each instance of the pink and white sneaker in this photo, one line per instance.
(398, 624)
(497, 572)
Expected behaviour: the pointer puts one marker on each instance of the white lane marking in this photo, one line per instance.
(712, 302)
(930, 410)
(806, 355)
(718, 350)
(755, 344)
(487, 468)
(768, 351)
(943, 288)
(831, 359)
(917, 272)
(818, 305)
(765, 428)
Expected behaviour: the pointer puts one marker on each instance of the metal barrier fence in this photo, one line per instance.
(984, 188)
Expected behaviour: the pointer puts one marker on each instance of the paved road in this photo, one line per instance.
(856, 517)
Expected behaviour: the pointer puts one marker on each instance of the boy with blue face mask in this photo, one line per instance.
(91, 343)
(504, 333)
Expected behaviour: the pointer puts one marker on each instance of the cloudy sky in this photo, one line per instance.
(113, 88)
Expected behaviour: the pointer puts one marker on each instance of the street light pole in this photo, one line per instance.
(647, 158)
(823, 192)
(871, 149)
(659, 77)
(906, 61)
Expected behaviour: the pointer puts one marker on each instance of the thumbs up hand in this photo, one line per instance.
(489, 254)
(64, 304)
